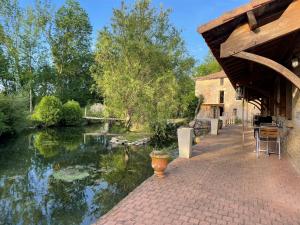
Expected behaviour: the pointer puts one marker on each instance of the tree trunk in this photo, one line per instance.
(30, 101)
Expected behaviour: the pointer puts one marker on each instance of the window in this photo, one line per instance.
(221, 81)
(221, 96)
(234, 112)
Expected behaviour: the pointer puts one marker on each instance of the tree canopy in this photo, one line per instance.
(208, 66)
(140, 64)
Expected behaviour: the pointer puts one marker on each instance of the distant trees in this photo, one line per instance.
(208, 66)
(44, 52)
(141, 66)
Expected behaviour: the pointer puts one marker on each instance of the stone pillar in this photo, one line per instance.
(223, 118)
(185, 141)
(214, 124)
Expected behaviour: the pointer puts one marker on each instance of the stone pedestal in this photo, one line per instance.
(214, 124)
(223, 118)
(185, 141)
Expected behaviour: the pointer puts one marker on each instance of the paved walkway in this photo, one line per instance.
(222, 184)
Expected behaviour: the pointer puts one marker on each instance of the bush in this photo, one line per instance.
(48, 112)
(12, 114)
(71, 113)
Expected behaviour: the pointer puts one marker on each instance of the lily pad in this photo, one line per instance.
(70, 174)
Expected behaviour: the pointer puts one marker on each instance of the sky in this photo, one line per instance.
(186, 15)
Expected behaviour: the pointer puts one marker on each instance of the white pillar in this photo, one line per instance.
(214, 125)
(185, 141)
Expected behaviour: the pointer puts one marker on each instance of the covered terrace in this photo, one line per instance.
(258, 46)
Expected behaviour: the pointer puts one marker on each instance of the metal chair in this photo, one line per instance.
(268, 134)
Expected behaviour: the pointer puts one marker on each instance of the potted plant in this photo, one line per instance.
(197, 140)
(160, 160)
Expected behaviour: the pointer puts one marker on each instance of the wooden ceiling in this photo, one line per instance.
(256, 78)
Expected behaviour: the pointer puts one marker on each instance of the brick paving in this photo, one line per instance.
(223, 183)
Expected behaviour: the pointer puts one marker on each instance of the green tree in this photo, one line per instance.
(48, 112)
(210, 65)
(71, 50)
(33, 47)
(71, 113)
(139, 62)
(11, 16)
(12, 114)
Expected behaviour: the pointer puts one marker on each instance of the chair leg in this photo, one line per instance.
(279, 148)
(257, 146)
(267, 152)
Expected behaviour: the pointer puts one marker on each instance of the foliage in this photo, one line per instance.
(71, 113)
(12, 114)
(48, 112)
(71, 50)
(139, 63)
(209, 66)
(47, 143)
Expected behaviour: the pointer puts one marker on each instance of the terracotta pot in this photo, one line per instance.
(197, 140)
(159, 162)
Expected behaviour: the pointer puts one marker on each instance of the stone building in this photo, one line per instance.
(258, 46)
(220, 99)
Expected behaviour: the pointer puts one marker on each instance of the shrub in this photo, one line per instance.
(48, 112)
(71, 113)
(12, 114)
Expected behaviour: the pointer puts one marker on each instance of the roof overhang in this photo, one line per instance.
(263, 30)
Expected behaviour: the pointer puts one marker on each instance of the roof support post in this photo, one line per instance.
(285, 72)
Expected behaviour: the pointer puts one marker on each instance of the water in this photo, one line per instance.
(65, 177)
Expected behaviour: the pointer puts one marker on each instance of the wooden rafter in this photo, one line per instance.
(244, 38)
(271, 64)
(252, 20)
(232, 15)
(257, 106)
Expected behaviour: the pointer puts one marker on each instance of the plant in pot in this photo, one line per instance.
(160, 160)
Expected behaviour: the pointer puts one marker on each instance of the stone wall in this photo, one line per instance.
(210, 90)
(293, 139)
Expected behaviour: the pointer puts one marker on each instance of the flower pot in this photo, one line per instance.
(159, 162)
(197, 140)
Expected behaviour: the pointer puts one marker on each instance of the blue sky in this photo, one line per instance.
(186, 15)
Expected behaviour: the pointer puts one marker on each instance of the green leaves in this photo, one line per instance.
(48, 111)
(139, 61)
(209, 66)
(71, 113)
(71, 50)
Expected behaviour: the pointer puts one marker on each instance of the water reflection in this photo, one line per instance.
(54, 177)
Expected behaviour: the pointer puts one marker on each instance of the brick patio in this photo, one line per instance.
(223, 183)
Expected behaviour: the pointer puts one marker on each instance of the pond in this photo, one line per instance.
(66, 176)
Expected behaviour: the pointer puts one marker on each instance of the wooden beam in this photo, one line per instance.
(271, 64)
(232, 15)
(244, 38)
(252, 20)
(262, 92)
(257, 106)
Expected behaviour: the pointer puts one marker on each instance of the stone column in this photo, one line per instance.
(214, 124)
(185, 141)
(223, 118)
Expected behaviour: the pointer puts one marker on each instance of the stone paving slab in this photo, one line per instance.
(223, 183)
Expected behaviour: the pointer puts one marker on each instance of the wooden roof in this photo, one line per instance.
(213, 76)
(226, 17)
(241, 71)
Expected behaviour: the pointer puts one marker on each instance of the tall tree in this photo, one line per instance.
(11, 16)
(209, 65)
(71, 50)
(33, 47)
(139, 62)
